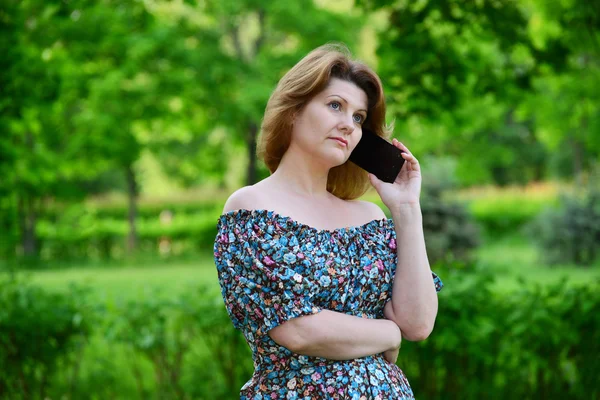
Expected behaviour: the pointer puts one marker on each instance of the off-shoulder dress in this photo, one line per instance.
(272, 268)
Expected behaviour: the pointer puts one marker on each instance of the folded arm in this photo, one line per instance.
(337, 336)
(414, 303)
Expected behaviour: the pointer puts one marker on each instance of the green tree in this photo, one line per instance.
(255, 43)
(458, 73)
(91, 84)
(41, 157)
(566, 103)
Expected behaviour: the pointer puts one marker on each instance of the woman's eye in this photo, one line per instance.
(335, 105)
(358, 119)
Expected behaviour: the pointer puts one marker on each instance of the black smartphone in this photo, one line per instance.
(376, 155)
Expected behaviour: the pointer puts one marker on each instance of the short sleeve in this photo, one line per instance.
(261, 290)
(437, 282)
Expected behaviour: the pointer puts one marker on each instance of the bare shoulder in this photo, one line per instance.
(370, 210)
(240, 199)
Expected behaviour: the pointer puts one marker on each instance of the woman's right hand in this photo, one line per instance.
(391, 355)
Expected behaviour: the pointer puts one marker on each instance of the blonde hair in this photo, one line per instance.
(297, 87)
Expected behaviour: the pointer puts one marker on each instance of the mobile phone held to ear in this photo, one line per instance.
(376, 155)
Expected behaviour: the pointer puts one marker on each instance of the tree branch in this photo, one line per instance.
(235, 34)
(261, 38)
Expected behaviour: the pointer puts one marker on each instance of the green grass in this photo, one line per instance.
(122, 284)
(514, 257)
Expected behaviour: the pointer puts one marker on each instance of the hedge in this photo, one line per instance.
(537, 342)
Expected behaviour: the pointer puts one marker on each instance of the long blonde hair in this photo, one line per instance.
(297, 87)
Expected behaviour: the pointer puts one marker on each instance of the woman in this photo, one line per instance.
(324, 287)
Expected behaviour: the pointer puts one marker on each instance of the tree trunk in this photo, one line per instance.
(577, 162)
(27, 222)
(132, 193)
(538, 172)
(251, 178)
(27, 214)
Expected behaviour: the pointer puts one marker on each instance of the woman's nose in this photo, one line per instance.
(347, 124)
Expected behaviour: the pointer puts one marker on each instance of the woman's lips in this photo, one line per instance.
(340, 141)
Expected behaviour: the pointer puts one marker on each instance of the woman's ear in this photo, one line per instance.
(296, 114)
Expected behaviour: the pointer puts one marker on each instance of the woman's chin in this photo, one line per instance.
(338, 162)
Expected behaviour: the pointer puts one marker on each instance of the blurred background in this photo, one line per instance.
(125, 125)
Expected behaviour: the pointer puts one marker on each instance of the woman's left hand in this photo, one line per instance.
(406, 188)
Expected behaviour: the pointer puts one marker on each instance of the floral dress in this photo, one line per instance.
(272, 268)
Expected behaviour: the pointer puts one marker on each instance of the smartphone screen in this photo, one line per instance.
(376, 155)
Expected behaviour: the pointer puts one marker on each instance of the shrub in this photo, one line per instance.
(37, 331)
(502, 215)
(451, 233)
(504, 210)
(571, 232)
(534, 343)
(86, 237)
(164, 332)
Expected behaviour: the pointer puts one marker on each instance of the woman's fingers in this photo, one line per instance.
(401, 146)
(413, 163)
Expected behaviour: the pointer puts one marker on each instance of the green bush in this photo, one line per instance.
(571, 232)
(38, 332)
(83, 233)
(451, 235)
(536, 343)
(532, 343)
(499, 216)
(119, 209)
(164, 332)
(87, 237)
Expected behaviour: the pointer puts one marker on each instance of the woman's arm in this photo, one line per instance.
(413, 306)
(414, 301)
(328, 334)
(337, 336)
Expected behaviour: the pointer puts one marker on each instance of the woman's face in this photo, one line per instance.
(337, 112)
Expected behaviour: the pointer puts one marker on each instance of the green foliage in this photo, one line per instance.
(504, 211)
(502, 215)
(186, 343)
(38, 331)
(437, 54)
(570, 232)
(93, 232)
(91, 238)
(451, 234)
(565, 104)
(450, 231)
(118, 209)
(502, 97)
(160, 330)
(88, 86)
(534, 343)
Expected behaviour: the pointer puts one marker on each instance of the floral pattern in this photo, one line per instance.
(272, 268)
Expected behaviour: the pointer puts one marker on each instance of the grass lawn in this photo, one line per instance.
(131, 282)
(511, 257)
(514, 258)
